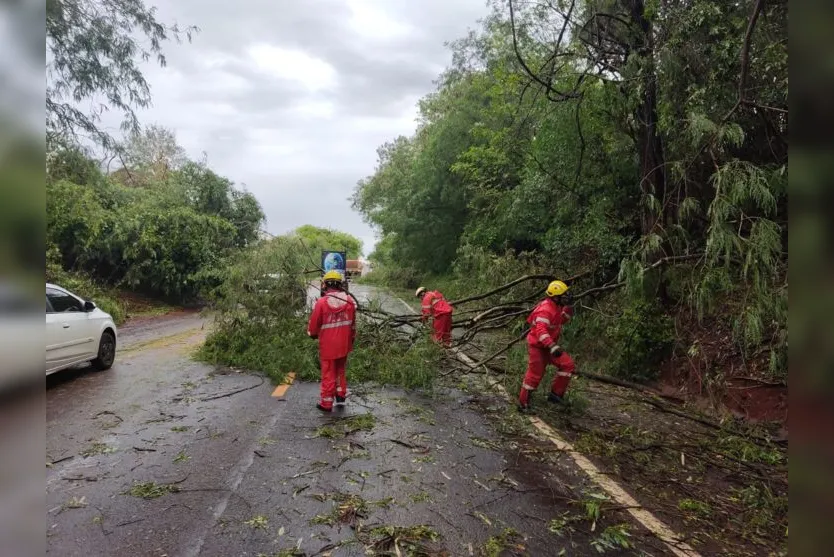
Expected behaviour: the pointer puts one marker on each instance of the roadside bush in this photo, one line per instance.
(398, 277)
(639, 340)
(83, 285)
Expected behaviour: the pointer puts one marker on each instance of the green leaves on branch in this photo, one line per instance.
(94, 49)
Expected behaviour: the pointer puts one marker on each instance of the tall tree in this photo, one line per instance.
(153, 153)
(93, 51)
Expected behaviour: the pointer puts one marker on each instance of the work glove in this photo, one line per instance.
(556, 350)
(314, 337)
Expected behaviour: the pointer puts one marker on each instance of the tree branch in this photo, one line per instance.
(550, 90)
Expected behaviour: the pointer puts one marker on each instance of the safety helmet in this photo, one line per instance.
(556, 288)
(420, 291)
(335, 276)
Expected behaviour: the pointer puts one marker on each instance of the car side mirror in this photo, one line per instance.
(89, 306)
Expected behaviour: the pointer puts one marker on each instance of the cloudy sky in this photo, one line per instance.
(292, 97)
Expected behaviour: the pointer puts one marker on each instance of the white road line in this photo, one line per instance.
(612, 488)
(403, 302)
(233, 482)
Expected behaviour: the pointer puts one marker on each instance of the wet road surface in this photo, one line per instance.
(163, 455)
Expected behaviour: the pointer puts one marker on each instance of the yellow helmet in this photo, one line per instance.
(556, 288)
(332, 275)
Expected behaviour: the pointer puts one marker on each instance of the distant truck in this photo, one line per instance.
(354, 268)
(334, 261)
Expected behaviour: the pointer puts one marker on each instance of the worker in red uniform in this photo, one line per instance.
(333, 323)
(542, 345)
(435, 306)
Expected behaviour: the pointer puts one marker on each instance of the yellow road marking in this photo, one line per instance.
(281, 389)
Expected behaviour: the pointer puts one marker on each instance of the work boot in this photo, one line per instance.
(554, 398)
(322, 408)
(528, 407)
(340, 400)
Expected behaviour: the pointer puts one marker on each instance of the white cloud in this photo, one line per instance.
(370, 21)
(294, 101)
(315, 108)
(293, 65)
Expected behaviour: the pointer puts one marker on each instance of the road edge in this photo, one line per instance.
(673, 541)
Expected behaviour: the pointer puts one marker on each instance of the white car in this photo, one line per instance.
(77, 332)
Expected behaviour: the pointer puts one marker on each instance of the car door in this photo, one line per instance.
(68, 329)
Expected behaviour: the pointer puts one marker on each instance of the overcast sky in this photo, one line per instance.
(292, 97)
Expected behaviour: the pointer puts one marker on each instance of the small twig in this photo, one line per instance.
(215, 397)
(493, 500)
(404, 444)
(129, 522)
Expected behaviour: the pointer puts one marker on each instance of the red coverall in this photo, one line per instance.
(333, 322)
(434, 305)
(546, 324)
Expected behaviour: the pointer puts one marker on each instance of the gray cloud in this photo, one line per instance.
(293, 97)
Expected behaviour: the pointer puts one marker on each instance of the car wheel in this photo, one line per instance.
(106, 351)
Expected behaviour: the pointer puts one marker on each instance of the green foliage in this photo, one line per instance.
(641, 337)
(646, 156)
(260, 321)
(82, 285)
(94, 50)
(318, 239)
(262, 326)
(613, 538)
(166, 239)
(763, 510)
(695, 508)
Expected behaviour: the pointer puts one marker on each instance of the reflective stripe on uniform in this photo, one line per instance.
(327, 399)
(542, 320)
(543, 337)
(426, 307)
(563, 374)
(337, 324)
(528, 387)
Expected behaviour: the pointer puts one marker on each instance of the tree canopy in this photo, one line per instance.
(94, 48)
(162, 233)
(318, 239)
(604, 137)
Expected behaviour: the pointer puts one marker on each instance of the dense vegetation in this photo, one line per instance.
(634, 143)
(163, 235)
(160, 225)
(261, 319)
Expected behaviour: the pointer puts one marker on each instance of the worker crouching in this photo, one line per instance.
(333, 323)
(435, 306)
(546, 323)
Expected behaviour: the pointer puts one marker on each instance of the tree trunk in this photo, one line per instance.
(649, 144)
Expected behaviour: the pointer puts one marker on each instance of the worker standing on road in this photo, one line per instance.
(435, 306)
(545, 327)
(333, 323)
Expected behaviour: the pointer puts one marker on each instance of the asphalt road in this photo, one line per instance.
(163, 455)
